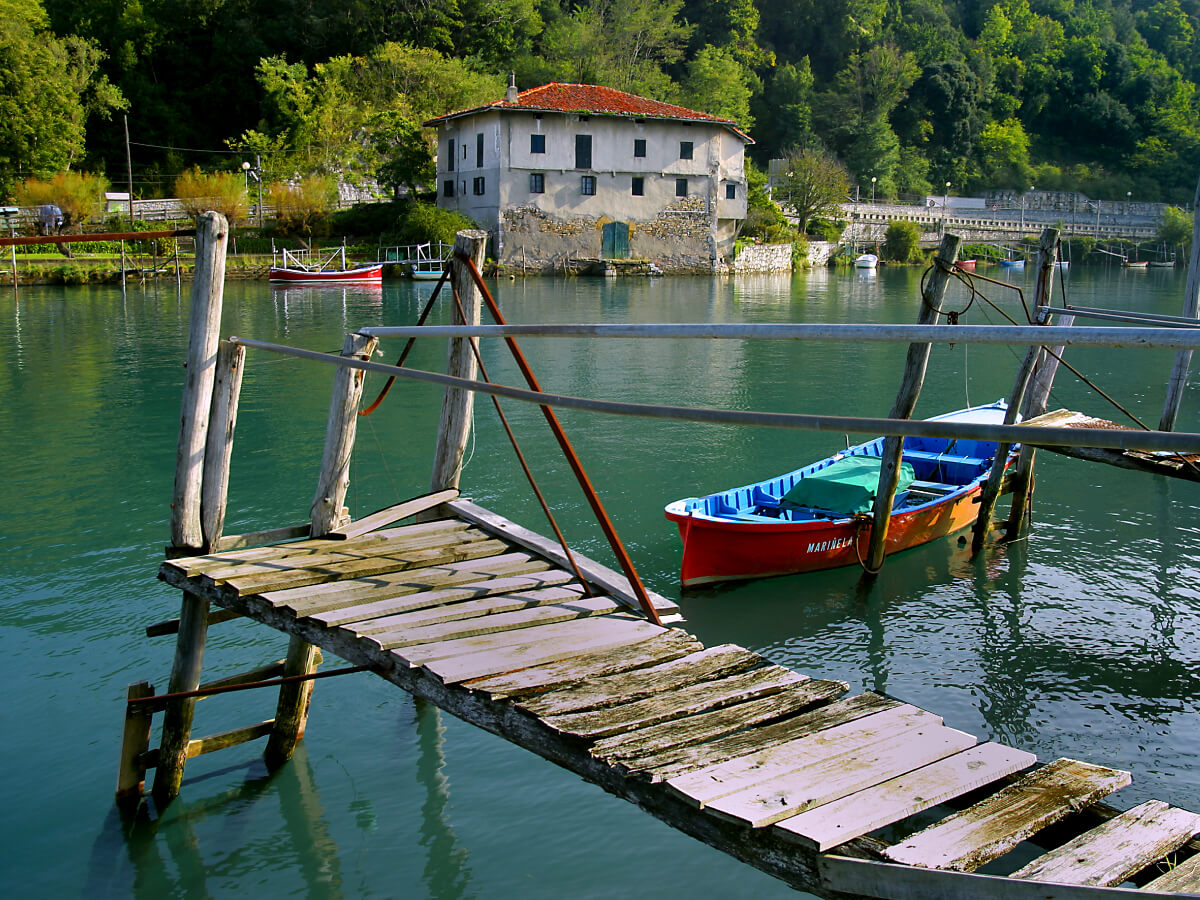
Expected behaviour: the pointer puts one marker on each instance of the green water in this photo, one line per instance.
(1082, 641)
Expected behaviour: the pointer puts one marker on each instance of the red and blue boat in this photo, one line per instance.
(819, 516)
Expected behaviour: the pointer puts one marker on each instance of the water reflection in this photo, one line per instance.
(446, 873)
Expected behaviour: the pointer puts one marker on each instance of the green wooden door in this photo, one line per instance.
(614, 241)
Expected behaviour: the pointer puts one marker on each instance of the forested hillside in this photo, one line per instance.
(1098, 96)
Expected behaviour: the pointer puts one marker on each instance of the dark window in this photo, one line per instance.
(731, 192)
(477, 187)
(680, 187)
(639, 186)
(464, 146)
(537, 143)
(451, 166)
(537, 183)
(583, 151)
(479, 152)
(587, 185)
(685, 149)
(448, 188)
(639, 147)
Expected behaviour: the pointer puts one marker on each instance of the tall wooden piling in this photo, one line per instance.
(291, 711)
(1191, 309)
(212, 234)
(1046, 258)
(454, 429)
(135, 741)
(185, 676)
(906, 398)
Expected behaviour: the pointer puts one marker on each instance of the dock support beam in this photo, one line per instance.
(906, 399)
(1046, 258)
(454, 429)
(291, 712)
(177, 718)
(218, 448)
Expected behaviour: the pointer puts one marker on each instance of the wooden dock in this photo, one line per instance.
(472, 613)
(843, 796)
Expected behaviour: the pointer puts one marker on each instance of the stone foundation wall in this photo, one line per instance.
(764, 258)
(680, 239)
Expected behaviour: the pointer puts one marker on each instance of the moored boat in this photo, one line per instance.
(819, 516)
(967, 263)
(1137, 264)
(303, 267)
(866, 261)
(1013, 263)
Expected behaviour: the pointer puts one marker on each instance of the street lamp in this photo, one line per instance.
(255, 172)
(945, 204)
(873, 189)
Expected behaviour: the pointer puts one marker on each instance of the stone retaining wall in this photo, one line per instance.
(764, 258)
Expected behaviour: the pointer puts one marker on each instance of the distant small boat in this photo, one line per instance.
(1013, 263)
(426, 270)
(818, 516)
(1162, 264)
(1063, 264)
(866, 261)
(1143, 264)
(303, 267)
(967, 263)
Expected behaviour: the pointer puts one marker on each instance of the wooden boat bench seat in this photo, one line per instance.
(913, 455)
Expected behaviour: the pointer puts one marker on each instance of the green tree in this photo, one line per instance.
(49, 88)
(223, 192)
(716, 83)
(902, 242)
(1175, 227)
(764, 218)
(78, 195)
(302, 208)
(405, 152)
(813, 184)
(1004, 155)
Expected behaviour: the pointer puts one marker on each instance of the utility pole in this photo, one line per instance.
(129, 171)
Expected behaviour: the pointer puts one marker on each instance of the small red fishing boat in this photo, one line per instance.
(818, 517)
(303, 267)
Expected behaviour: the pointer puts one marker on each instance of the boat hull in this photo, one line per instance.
(724, 551)
(359, 275)
(819, 516)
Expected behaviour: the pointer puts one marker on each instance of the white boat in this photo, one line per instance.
(866, 261)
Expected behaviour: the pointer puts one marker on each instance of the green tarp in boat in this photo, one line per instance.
(846, 486)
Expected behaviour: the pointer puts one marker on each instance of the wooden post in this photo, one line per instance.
(212, 232)
(455, 426)
(1191, 309)
(1047, 256)
(177, 718)
(906, 398)
(291, 712)
(1035, 405)
(131, 774)
(218, 449)
(334, 480)
(122, 265)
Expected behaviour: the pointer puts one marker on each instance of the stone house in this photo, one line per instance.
(580, 172)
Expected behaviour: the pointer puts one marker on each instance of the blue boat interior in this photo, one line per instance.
(942, 468)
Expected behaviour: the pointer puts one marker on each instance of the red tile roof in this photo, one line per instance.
(595, 100)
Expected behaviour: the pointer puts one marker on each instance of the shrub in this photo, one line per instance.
(223, 192)
(78, 195)
(902, 242)
(303, 208)
(426, 222)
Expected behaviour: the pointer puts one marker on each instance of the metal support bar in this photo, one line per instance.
(1183, 442)
(162, 699)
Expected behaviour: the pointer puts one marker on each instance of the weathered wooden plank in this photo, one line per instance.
(860, 813)
(668, 758)
(969, 839)
(229, 738)
(135, 742)
(704, 665)
(337, 551)
(218, 447)
(840, 774)
(171, 626)
(1121, 847)
(210, 562)
(392, 561)
(677, 704)
(1181, 878)
(255, 538)
(857, 877)
(661, 646)
(602, 577)
(312, 599)
(481, 598)
(706, 785)
(549, 643)
(392, 514)
(640, 752)
(522, 620)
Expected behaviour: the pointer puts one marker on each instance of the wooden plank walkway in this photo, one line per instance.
(776, 767)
